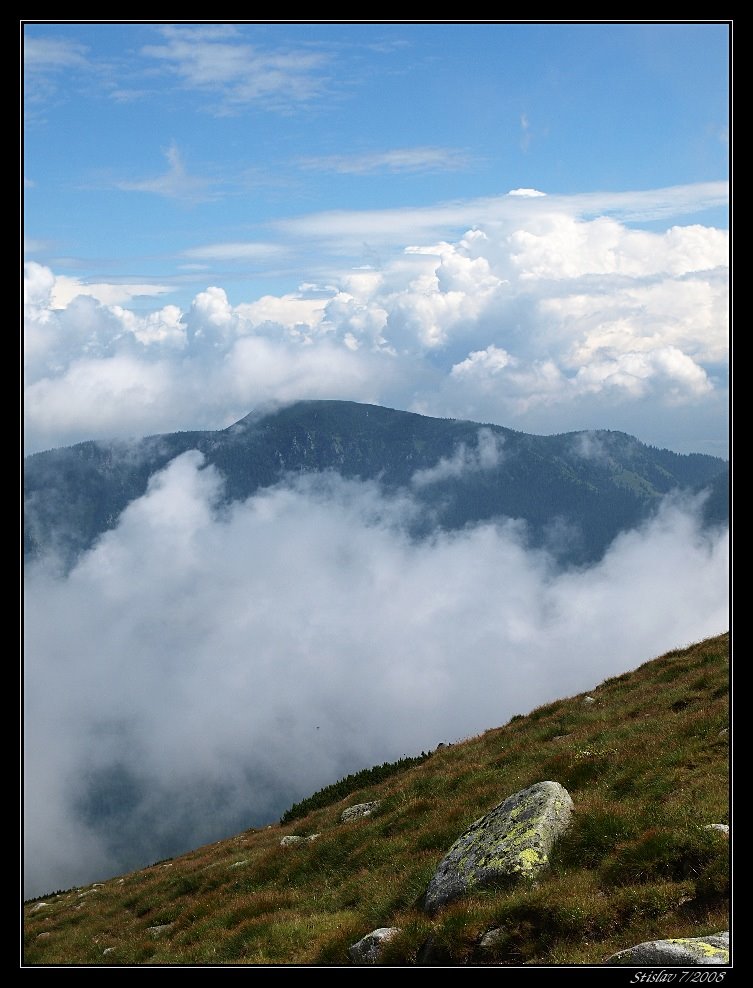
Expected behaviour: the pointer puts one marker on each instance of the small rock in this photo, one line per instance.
(39, 905)
(237, 864)
(359, 810)
(588, 700)
(369, 948)
(107, 950)
(291, 839)
(723, 828)
(43, 936)
(493, 938)
(157, 931)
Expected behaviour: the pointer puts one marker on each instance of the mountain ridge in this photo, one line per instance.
(593, 484)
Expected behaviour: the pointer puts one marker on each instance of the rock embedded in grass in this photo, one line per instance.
(359, 810)
(513, 841)
(713, 949)
(369, 948)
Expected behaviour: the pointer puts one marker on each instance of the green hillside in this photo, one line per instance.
(645, 761)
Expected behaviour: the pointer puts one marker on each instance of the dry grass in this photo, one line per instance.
(647, 768)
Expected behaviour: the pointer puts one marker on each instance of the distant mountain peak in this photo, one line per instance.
(594, 483)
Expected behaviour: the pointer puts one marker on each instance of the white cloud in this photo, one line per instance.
(483, 363)
(397, 160)
(66, 289)
(530, 317)
(166, 370)
(39, 283)
(53, 54)
(526, 193)
(175, 183)
(121, 393)
(192, 653)
(165, 326)
(236, 74)
(48, 64)
(560, 246)
(486, 455)
(633, 373)
(235, 251)
(396, 227)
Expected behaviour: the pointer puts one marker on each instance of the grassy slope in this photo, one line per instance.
(646, 765)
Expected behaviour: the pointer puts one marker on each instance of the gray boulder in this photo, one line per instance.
(359, 810)
(512, 841)
(678, 952)
(369, 949)
(289, 841)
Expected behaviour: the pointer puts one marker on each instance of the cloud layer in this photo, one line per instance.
(540, 318)
(199, 671)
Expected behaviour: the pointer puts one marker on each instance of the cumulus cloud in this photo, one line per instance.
(482, 364)
(528, 318)
(176, 677)
(346, 229)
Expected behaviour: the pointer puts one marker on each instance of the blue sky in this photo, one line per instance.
(517, 223)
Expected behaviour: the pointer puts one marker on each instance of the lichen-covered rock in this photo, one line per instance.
(369, 948)
(512, 841)
(292, 839)
(677, 952)
(360, 809)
